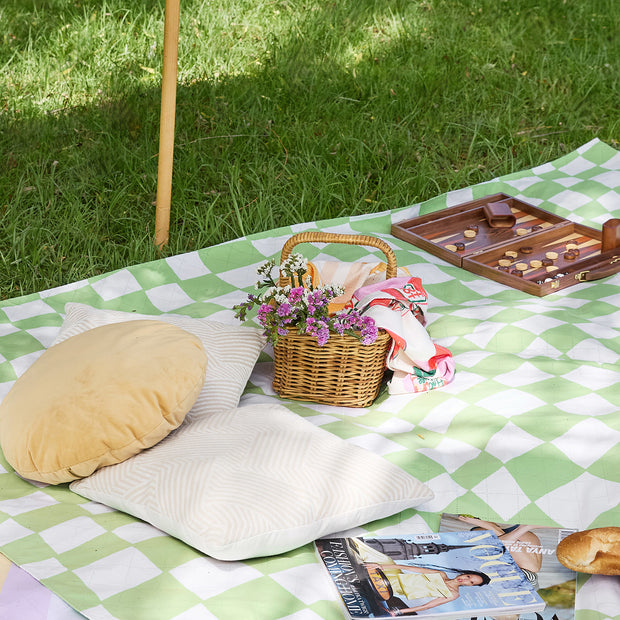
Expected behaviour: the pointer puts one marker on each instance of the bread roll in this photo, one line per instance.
(594, 551)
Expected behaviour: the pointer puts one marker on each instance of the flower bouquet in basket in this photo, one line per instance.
(337, 359)
(302, 308)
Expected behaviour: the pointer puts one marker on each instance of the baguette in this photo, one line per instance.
(595, 551)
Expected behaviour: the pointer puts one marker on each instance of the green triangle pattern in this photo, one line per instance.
(528, 431)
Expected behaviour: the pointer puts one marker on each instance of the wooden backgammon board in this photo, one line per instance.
(517, 244)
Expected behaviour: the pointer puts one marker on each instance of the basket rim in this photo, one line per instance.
(292, 333)
(318, 236)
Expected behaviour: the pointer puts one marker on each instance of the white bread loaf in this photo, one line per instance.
(594, 551)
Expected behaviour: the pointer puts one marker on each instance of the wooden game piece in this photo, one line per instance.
(504, 262)
(551, 255)
(551, 268)
(505, 268)
(611, 235)
(522, 231)
(570, 255)
(499, 214)
(535, 263)
(473, 227)
(517, 272)
(547, 262)
(571, 246)
(521, 266)
(451, 247)
(460, 246)
(469, 234)
(511, 254)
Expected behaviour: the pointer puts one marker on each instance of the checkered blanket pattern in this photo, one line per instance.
(527, 432)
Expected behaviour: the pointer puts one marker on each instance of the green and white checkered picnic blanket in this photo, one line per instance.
(527, 432)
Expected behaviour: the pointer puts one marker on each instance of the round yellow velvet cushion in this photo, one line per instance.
(100, 397)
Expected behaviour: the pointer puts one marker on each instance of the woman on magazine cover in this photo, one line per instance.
(527, 560)
(422, 582)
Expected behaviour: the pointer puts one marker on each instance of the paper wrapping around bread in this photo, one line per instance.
(595, 551)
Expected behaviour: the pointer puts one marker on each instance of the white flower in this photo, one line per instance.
(293, 264)
(265, 269)
(334, 289)
(268, 294)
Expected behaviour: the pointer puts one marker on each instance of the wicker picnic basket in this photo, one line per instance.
(343, 372)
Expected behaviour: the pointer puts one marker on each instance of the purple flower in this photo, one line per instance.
(284, 309)
(369, 336)
(339, 328)
(296, 294)
(322, 335)
(316, 298)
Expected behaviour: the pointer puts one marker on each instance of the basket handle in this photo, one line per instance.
(325, 237)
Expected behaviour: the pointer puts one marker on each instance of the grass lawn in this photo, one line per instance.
(287, 111)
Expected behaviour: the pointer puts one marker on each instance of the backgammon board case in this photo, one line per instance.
(510, 241)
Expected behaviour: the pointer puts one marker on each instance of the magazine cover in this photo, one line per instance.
(533, 549)
(449, 575)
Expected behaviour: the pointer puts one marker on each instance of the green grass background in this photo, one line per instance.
(287, 111)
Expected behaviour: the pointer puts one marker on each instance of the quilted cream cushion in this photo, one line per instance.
(254, 481)
(99, 398)
(232, 350)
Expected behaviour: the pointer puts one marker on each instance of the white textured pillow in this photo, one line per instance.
(232, 350)
(254, 481)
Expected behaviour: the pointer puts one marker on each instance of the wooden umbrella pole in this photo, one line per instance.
(167, 117)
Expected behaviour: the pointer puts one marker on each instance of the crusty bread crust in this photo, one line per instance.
(595, 551)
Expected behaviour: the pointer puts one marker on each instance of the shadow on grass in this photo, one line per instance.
(354, 107)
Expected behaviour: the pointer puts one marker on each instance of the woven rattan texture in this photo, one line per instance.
(342, 372)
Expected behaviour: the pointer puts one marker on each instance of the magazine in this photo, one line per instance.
(448, 575)
(533, 548)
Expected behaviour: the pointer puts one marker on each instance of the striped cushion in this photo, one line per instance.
(232, 350)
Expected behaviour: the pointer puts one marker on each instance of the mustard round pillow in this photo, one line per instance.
(99, 398)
